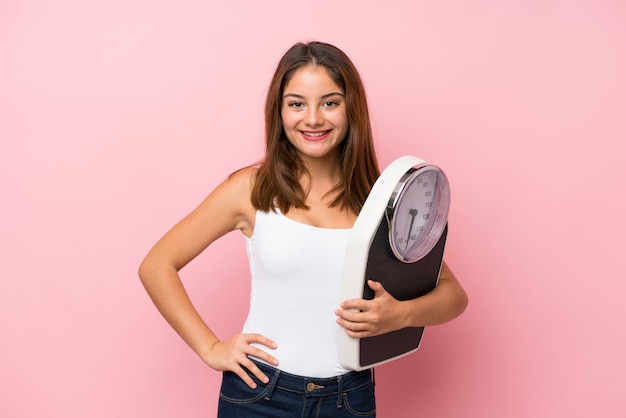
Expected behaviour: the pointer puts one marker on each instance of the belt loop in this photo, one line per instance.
(339, 392)
(272, 385)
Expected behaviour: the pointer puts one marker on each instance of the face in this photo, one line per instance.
(314, 113)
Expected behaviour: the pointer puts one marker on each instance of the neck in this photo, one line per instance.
(323, 174)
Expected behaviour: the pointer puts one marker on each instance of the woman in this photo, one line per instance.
(295, 211)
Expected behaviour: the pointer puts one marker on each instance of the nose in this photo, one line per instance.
(313, 117)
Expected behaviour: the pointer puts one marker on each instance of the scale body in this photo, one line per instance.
(373, 253)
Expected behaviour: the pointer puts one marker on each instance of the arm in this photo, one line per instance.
(226, 209)
(366, 318)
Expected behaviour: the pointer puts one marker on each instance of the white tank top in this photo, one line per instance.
(296, 272)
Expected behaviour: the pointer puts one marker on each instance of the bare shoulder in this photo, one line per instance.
(232, 199)
(238, 186)
(244, 177)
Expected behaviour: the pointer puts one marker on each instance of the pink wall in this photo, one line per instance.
(117, 117)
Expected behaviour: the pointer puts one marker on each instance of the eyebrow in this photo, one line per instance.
(326, 96)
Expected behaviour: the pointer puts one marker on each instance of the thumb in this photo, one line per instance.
(377, 287)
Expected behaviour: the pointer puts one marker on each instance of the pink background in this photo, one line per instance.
(118, 117)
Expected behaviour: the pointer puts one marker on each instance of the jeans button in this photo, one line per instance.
(310, 386)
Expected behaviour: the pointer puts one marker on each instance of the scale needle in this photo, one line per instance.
(413, 213)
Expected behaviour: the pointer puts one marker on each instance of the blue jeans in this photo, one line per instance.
(290, 396)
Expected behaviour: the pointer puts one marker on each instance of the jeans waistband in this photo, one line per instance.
(315, 386)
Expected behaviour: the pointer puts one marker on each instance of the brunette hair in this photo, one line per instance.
(277, 183)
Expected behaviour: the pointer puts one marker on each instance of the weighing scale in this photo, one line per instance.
(398, 239)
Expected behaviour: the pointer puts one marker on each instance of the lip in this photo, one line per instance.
(315, 135)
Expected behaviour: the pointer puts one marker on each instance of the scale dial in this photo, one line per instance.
(417, 212)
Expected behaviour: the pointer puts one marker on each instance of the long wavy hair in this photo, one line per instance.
(277, 184)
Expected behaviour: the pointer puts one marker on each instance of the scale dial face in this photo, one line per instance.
(418, 212)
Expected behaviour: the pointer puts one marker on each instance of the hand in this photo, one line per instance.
(232, 354)
(367, 318)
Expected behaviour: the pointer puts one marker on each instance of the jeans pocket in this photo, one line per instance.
(237, 391)
(361, 402)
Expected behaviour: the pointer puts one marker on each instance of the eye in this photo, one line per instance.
(330, 103)
(295, 105)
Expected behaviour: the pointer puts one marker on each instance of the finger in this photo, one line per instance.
(254, 369)
(350, 315)
(377, 287)
(354, 329)
(246, 378)
(358, 334)
(356, 305)
(261, 339)
(259, 353)
(354, 326)
(263, 355)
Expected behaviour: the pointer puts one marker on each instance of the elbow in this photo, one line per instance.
(145, 271)
(462, 301)
(153, 270)
(459, 301)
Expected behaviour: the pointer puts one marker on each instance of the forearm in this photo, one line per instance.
(169, 296)
(447, 301)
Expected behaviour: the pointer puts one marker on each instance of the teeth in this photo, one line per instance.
(315, 133)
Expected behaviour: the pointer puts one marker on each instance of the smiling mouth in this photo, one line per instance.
(314, 134)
